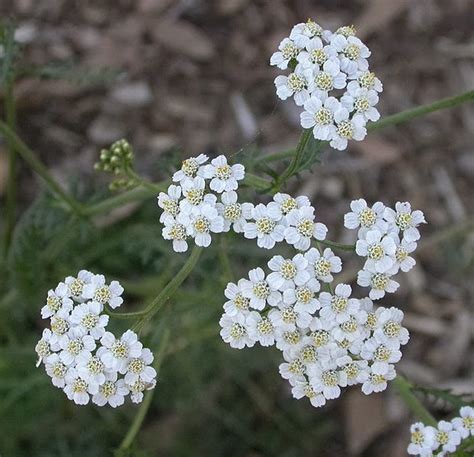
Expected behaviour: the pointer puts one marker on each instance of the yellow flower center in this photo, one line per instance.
(318, 56)
(241, 302)
(330, 378)
(345, 129)
(233, 212)
(171, 206)
(367, 217)
(261, 289)
(293, 337)
(309, 354)
(119, 350)
(323, 116)
(190, 167)
(296, 83)
(403, 221)
(195, 196)
(79, 386)
(178, 232)
(375, 252)
(89, 321)
(59, 370)
(391, 329)
(352, 51)
(95, 366)
(304, 295)
(288, 270)
(290, 51)
(59, 326)
(224, 172)
(322, 267)
(108, 389)
(338, 304)
(289, 315)
(305, 228)
(54, 303)
(136, 365)
(347, 31)
(320, 338)
(361, 104)
(323, 81)
(379, 281)
(382, 353)
(237, 331)
(265, 225)
(201, 225)
(265, 326)
(442, 437)
(287, 205)
(75, 346)
(102, 294)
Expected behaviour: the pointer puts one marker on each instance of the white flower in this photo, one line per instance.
(379, 250)
(297, 84)
(194, 197)
(137, 389)
(357, 372)
(112, 391)
(292, 369)
(91, 368)
(390, 331)
(350, 333)
(201, 225)
(302, 33)
(44, 348)
(60, 324)
(260, 328)
(223, 176)
(378, 377)
(465, 423)
(319, 115)
(380, 283)
(403, 260)
(323, 265)
(259, 291)
(287, 273)
(338, 307)
(235, 214)
(288, 319)
(287, 50)
(368, 80)
(321, 332)
(57, 299)
(447, 437)
(234, 331)
(289, 342)
(73, 344)
(175, 230)
(353, 55)
(76, 284)
(304, 296)
(169, 202)
(102, 293)
(77, 388)
(267, 228)
(361, 101)
(88, 319)
(57, 370)
(282, 204)
(327, 379)
(190, 168)
(302, 228)
(316, 54)
(119, 351)
(237, 303)
(139, 368)
(405, 220)
(423, 440)
(347, 129)
(304, 389)
(365, 217)
(379, 353)
(328, 78)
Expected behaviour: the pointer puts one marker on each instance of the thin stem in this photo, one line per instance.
(256, 182)
(144, 407)
(10, 117)
(404, 388)
(170, 288)
(225, 261)
(29, 156)
(333, 244)
(143, 182)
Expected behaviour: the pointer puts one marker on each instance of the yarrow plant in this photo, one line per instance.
(445, 438)
(82, 358)
(330, 79)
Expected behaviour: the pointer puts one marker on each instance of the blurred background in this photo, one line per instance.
(179, 78)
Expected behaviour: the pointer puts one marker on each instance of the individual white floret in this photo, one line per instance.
(304, 389)
(379, 353)
(308, 353)
(224, 177)
(169, 201)
(380, 283)
(288, 273)
(78, 389)
(316, 54)
(267, 228)
(338, 307)
(318, 114)
(287, 50)
(293, 369)
(403, 260)
(447, 437)
(195, 196)
(235, 214)
(289, 342)
(351, 333)
(237, 303)
(91, 368)
(282, 204)
(113, 392)
(201, 225)
(322, 266)
(258, 290)
(303, 297)
(328, 379)
(119, 351)
(56, 370)
(361, 101)
(234, 331)
(98, 291)
(390, 331)
(464, 424)
(44, 348)
(365, 217)
(260, 328)
(74, 344)
(302, 228)
(88, 320)
(320, 334)
(139, 368)
(328, 78)
(353, 54)
(190, 168)
(303, 32)
(423, 440)
(57, 299)
(298, 85)
(288, 318)
(76, 284)
(357, 372)
(379, 249)
(176, 231)
(60, 325)
(403, 219)
(368, 80)
(347, 129)
(378, 377)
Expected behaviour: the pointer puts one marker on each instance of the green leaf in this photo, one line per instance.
(10, 49)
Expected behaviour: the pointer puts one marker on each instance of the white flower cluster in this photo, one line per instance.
(190, 208)
(428, 441)
(80, 356)
(330, 78)
(386, 238)
(328, 340)
(284, 218)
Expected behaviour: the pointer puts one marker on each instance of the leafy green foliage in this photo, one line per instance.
(445, 397)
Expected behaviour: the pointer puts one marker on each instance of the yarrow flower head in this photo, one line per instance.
(331, 78)
(80, 356)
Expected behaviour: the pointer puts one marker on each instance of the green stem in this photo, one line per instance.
(169, 289)
(145, 406)
(404, 388)
(10, 210)
(29, 156)
(333, 244)
(143, 182)
(256, 182)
